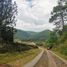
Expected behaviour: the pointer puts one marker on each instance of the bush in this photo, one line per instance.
(63, 50)
(16, 47)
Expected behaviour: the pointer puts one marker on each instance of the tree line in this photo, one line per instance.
(59, 19)
(8, 12)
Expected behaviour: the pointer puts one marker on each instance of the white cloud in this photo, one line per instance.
(35, 18)
(32, 26)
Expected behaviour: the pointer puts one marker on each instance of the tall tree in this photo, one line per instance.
(8, 11)
(59, 14)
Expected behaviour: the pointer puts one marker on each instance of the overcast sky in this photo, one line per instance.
(33, 15)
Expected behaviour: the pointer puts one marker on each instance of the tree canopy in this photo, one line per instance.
(59, 15)
(8, 11)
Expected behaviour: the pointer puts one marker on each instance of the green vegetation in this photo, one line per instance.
(52, 40)
(22, 35)
(32, 36)
(15, 47)
(58, 15)
(18, 53)
(8, 13)
(58, 37)
(41, 36)
(9, 50)
(61, 47)
(23, 57)
(58, 42)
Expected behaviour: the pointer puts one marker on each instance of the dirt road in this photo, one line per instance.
(34, 61)
(49, 59)
(45, 59)
(43, 62)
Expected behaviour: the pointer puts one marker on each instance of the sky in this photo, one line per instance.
(33, 15)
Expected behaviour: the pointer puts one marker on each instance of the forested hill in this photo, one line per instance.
(28, 35)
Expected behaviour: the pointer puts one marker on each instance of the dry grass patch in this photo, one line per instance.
(18, 59)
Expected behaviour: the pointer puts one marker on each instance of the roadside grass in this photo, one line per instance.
(61, 50)
(18, 59)
(61, 55)
(59, 59)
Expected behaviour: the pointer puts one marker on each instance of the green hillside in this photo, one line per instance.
(28, 35)
(22, 35)
(41, 35)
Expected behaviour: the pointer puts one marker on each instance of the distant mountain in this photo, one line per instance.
(28, 35)
(41, 35)
(31, 32)
(22, 35)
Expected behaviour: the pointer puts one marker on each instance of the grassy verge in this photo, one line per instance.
(18, 59)
(61, 55)
(61, 50)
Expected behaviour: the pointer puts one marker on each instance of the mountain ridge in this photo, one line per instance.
(30, 35)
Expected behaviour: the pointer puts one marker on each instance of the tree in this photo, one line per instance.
(59, 14)
(8, 11)
(52, 41)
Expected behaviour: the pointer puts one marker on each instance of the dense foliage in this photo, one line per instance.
(59, 15)
(58, 37)
(8, 11)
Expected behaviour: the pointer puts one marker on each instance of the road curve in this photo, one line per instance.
(53, 60)
(47, 59)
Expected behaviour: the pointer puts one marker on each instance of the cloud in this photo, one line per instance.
(34, 18)
(33, 27)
